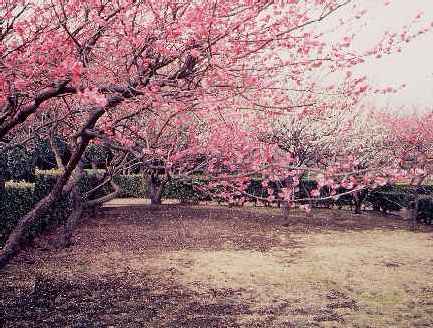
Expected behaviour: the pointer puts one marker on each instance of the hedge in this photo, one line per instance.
(425, 210)
(395, 197)
(44, 156)
(96, 154)
(132, 185)
(386, 198)
(15, 201)
(186, 192)
(18, 198)
(44, 182)
(17, 164)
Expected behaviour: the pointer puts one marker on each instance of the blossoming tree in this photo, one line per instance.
(99, 63)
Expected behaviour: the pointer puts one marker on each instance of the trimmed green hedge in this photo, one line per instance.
(18, 198)
(133, 185)
(425, 210)
(185, 192)
(44, 182)
(15, 201)
(395, 197)
(18, 164)
(386, 198)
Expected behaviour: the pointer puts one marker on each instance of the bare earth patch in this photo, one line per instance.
(176, 266)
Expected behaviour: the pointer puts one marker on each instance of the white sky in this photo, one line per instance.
(413, 66)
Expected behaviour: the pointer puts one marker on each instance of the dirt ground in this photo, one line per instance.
(179, 266)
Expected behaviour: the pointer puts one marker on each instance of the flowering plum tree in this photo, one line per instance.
(98, 64)
(320, 139)
(334, 154)
(167, 144)
(411, 141)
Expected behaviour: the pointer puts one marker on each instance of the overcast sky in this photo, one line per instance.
(413, 66)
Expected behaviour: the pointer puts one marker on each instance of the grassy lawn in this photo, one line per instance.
(178, 266)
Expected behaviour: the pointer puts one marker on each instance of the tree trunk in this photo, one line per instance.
(16, 237)
(357, 202)
(285, 209)
(155, 187)
(413, 213)
(94, 167)
(77, 207)
(155, 195)
(72, 220)
(358, 199)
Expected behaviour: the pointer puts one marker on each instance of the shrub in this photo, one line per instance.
(98, 154)
(15, 201)
(386, 198)
(395, 197)
(18, 198)
(306, 186)
(90, 180)
(185, 192)
(44, 183)
(425, 210)
(132, 185)
(18, 164)
(386, 201)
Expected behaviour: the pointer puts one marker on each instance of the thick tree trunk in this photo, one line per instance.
(71, 222)
(358, 199)
(155, 188)
(285, 209)
(77, 207)
(413, 213)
